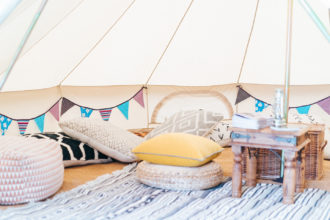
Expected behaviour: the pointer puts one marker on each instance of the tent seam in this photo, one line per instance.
(97, 43)
(169, 43)
(58, 23)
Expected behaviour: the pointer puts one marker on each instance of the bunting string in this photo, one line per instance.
(261, 105)
(66, 104)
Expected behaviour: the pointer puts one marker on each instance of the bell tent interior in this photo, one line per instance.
(135, 63)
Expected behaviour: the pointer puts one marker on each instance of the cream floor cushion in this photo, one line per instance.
(30, 169)
(180, 178)
(103, 136)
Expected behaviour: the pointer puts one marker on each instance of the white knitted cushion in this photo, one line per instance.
(180, 178)
(103, 136)
(30, 169)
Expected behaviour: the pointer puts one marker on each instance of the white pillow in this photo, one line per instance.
(103, 136)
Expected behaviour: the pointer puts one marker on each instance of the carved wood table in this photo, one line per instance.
(292, 143)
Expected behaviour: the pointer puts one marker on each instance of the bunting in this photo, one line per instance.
(124, 108)
(22, 125)
(40, 121)
(139, 98)
(5, 122)
(241, 95)
(261, 105)
(325, 105)
(303, 109)
(66, 105)
(55, 110)
(105, 113)
(85, 112)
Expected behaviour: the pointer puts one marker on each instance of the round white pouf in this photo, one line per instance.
(31, 169)
(180, 178)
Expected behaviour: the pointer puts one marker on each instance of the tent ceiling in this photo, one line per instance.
(130, 51)
(207, 49)
(209, 46)
(310, 63)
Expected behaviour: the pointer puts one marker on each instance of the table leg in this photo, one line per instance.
(289, 181)
(237, 171)
(251, 169)
(300, 181)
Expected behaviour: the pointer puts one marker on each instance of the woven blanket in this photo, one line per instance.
(121, 196)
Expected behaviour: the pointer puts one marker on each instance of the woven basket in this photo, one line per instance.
(269, 162)
(314, 153)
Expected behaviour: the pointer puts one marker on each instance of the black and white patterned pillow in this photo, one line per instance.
(75, 152)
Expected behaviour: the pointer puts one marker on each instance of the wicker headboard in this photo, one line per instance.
(173, 95)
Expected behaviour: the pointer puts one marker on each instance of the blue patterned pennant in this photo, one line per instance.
(260, 105)
(40, 121)
(85, 112)
(5, 122)
(303, 109)
(124, 109)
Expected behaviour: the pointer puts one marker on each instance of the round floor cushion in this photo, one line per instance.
(31, 169)
(180, 178)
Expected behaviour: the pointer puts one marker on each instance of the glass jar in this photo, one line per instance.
(278, 109)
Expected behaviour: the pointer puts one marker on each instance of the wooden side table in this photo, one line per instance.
(291, 142)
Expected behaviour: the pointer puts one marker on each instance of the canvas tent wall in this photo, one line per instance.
(100, 53)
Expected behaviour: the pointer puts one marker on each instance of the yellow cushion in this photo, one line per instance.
(178, 149)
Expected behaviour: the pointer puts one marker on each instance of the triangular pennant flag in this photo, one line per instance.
(303, 109)
(105, 113)
(22, 125)
(325, 105)
(124, 109)
(66, 105)
(260, 105)
(139, 98)
(55, 111)
(241, 95)
(85, 112)
(40, 121)
(5, 122)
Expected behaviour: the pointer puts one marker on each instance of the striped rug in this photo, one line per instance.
(121, 196)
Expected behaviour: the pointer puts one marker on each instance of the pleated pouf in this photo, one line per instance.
(31, 169)
(180, 178)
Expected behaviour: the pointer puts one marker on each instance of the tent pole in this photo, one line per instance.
(22, 43)
(147, 105)
(288, 59)
(315, 18)
(287, 69)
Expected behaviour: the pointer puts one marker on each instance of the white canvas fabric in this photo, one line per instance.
(198, 44)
